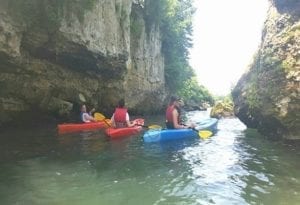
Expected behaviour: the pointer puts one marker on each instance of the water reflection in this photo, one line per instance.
(84, 143)
(269, 166)
(214, 164)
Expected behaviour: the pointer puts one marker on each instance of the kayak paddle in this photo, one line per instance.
(157, 127)
(204, 134)
(100, 117)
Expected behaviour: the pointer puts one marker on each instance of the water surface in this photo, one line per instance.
(38, 166)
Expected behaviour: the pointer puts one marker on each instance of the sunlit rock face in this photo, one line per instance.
(222, 110)
(95, 56)
(267, 97)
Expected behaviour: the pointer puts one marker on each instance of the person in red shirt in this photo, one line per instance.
(173, 113)
(120, 117)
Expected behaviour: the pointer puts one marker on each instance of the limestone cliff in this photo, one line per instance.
(267, 97)
(55, 55)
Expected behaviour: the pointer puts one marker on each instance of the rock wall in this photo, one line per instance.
(97, 57)
(267, 97)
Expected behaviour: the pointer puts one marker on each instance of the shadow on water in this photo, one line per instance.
(273, 170)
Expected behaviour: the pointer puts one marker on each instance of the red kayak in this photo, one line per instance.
(126, 131)
(75, 127)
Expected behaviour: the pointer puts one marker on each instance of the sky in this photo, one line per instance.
(226, 36)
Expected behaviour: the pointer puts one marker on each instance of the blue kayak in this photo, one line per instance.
(208, 124)
(173, 134)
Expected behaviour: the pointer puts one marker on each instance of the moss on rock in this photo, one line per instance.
(222, 109)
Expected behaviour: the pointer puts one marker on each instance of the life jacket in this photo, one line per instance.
(169, 113)
(169, 116)
(120, 117)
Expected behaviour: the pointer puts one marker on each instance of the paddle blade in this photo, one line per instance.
(204, 134)
(98, 116)
(157, 127)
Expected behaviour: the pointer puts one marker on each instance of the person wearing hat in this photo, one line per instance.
(173, 114)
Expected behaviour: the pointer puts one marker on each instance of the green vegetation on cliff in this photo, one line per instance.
(267, 96)
(174, 18)
(191, 90)
(175, 21)
(223, 107)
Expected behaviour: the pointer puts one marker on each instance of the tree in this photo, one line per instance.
(174, 18)
(191, 90)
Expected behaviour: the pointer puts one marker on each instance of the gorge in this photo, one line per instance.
(56, 56)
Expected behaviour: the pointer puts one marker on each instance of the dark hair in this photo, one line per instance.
(82, 106)
(121, 103)
(173, 99)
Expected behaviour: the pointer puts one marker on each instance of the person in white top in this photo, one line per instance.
(85, 116)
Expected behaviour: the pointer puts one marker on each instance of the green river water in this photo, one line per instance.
(38, 166)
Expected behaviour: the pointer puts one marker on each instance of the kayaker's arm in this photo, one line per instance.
(175, 121)
(87, 118)
(112, 121)
(92, 111)
(130, 124)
